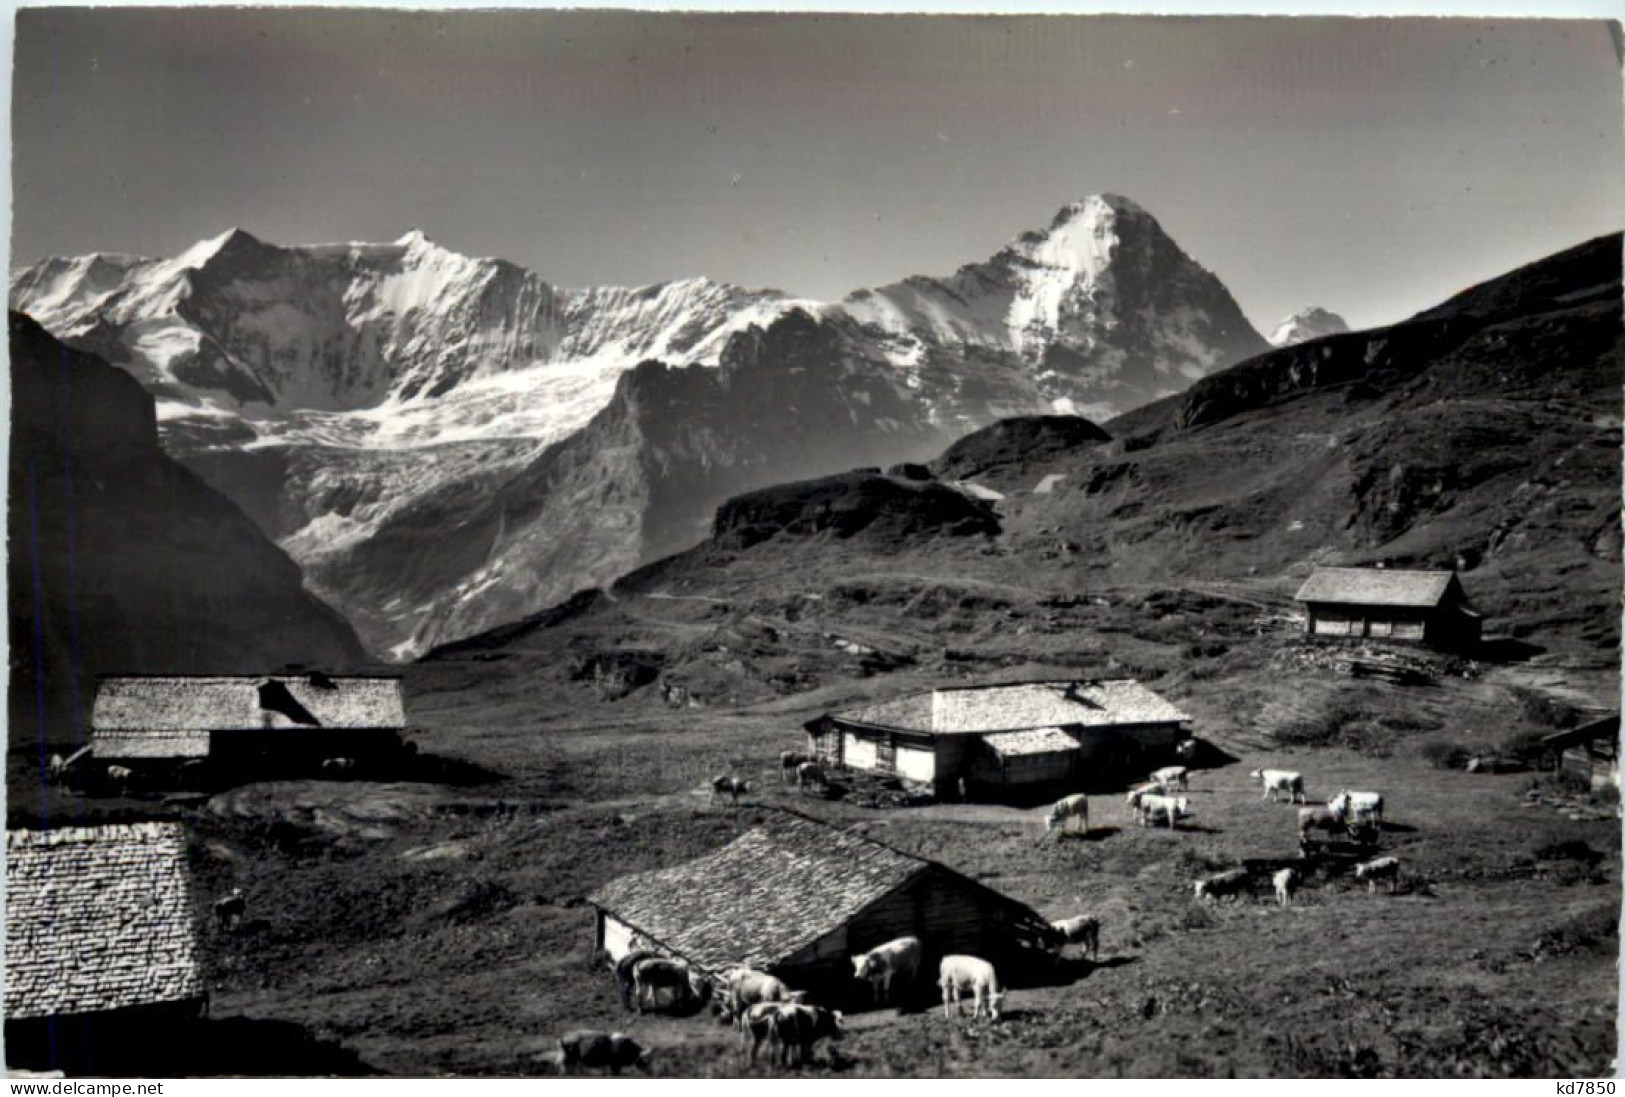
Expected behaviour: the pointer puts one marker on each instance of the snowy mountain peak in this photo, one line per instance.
(1096, 206)
(234, 241)
(1309, 323)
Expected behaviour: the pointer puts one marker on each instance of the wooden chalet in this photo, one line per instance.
(100, 929)
(151, 720)
(1004, 738)
(797, 898)
(1390, 604)
(1590, 752)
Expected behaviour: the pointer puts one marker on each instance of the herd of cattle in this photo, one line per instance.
(767, 1011)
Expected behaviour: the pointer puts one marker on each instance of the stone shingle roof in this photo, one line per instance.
(171, 716)
(766, 895)
(1021, 706)
(98, 918)
(1008, 744)
(1376, 587)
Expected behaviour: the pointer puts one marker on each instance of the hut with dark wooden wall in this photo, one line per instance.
(1390, 604)
(151, 721)
(1006, 738)
(101, 937)
(797, 898)
(1590, 752)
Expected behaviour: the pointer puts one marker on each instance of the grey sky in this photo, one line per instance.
(1371, 166)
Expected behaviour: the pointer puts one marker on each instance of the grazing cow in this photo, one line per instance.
(120, 777)
(1360, 807)
(881, 965)
(654, 974)
(1281, 780)
(1185, 751)
(1328, 819)
(1286, 882)
(960, 974)
(743, 987)
(797, 1027)
(612, 1051)
(229, 910)
(810, 773)
(1084, 930)
(1172, 777)
(1230, 882)
(1170, 806)
(726, 785)
(338, 765)
(1383, 868)
(623, 971)
(1065, 810)
(790, 762)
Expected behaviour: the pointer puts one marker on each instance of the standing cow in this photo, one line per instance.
(1064, 810)
(1286, 882)
(726, 785)
(1383, 868)
(601, 1050)
(1084, 930)
(962, 975)
(789, 760)
(892, 959)
(1281, 780)
(1230, 882)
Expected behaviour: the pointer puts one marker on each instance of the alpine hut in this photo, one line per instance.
(1003, 739)
(797, 898)
(1390, 603)
(1590, 752)
(100, 934)
(244, 720)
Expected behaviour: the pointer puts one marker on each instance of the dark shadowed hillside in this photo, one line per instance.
(120, 561)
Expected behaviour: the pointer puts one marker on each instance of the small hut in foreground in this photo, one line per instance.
(796, 897)
(100, 930)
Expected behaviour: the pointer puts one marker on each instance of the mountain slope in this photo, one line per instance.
(121, 561)
(352, 398)
(1483, 434)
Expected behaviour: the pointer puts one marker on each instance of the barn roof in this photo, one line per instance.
(766, 895)
(1376, 587)
(159, 705)
(1008, 744)
(1019, 706)
(98, 918)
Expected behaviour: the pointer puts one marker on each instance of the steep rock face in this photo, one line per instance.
(1098, 313)
(1309, 323)
(351, 396)
(121, 561)
(798, 399)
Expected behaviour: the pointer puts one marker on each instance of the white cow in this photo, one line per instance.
(1360, 807)
(1281, 780)
(1173, 777)
(1084, 929)
(892, 959)
(742, 987)
(1286, 882)
(1170, 806)
(1064, 810)
(961, 974)
(1383, 868)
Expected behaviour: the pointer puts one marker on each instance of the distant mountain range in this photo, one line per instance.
(1306, 324)
(1483, 434)
(445, 443)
